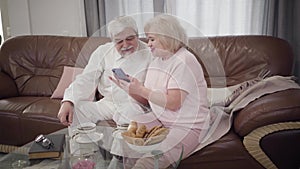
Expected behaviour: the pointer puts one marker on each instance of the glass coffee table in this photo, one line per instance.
(19, 158)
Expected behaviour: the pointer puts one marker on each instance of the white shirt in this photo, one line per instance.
(99, 68)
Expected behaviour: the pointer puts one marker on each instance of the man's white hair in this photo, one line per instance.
(120, 23)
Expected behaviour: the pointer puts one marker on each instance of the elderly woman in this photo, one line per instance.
(175, 88)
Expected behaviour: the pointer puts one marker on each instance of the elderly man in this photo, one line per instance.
(125, 51)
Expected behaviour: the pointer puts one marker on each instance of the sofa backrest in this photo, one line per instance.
(36, 63)
(230, 60)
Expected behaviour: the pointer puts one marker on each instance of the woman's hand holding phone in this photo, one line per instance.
(127, 83)
(121, 79)
(120, 74)
(132, 85)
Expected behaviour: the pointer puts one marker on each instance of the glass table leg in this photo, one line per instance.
(180, 158)
(156, 155)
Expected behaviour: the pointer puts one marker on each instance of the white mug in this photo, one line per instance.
(87, 137)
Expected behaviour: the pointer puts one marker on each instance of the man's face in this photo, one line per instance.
(126, 42)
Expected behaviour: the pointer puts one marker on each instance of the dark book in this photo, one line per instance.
(37, 151)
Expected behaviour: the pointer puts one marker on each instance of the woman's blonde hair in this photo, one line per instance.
(169, 31)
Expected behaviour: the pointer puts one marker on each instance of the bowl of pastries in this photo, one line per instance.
(144, 140)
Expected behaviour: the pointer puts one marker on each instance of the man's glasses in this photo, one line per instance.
(44, 141)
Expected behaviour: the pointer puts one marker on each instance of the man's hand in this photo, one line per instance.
(65, 114)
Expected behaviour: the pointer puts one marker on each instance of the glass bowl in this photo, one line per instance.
(84, 159)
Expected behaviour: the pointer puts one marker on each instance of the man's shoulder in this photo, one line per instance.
(106, 45)
(109, 46)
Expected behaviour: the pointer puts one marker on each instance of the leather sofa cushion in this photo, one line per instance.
(26, 117)
(225, 152)
(8, 89)
(31, 107)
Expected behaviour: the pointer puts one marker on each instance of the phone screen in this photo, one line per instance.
(120, 74)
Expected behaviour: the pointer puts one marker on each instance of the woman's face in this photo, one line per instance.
(157, 47)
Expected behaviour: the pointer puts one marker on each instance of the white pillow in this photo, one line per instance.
(66, 79)
(219, 95)
(225, 96)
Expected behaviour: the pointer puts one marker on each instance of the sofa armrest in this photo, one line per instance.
(7, 86)
(273, 108)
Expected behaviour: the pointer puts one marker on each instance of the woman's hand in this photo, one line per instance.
(171, 100)
(121, 83)
(132, 88)
(135, 87)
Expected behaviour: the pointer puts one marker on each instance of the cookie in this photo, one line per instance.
(128, 134)
(154, 140)
(138, 141)
(158, 132)
(141, 131)
(132, 127)
(152, 130)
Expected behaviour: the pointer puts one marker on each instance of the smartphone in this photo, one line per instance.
(120, 74)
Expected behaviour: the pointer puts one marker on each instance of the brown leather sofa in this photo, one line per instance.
(31, 67)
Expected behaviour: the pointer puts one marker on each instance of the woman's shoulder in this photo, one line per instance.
(185, 55)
